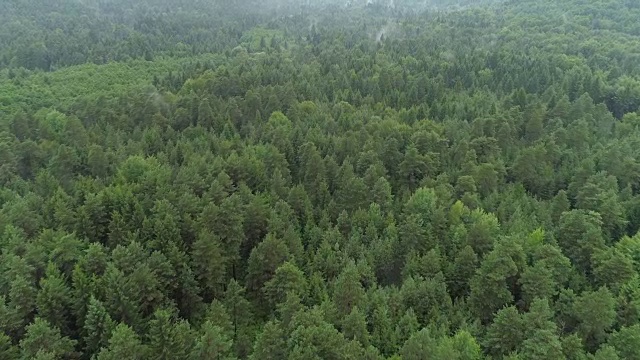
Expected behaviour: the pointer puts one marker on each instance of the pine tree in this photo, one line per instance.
(98, 326)
(534, 117)
(541, 333)
(240, 312)
(124, 343)
(406, 326)
(41, 338)
(168, 339)
(212, 344)
(348, 291)
(205, 115)
(579, 235)
(354, 326)
(537, 282)
(287, 278)
(271, 343)
(22, 295)
(420, 345)
(53, 300)
(263, 263)
(506, 333)
(626, 342)
(464, 267)
(612, 268)
(489, 287)
(595, 311)
(559, 205)
(209, 264)
(7, 349)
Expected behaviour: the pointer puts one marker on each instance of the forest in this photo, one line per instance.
(300, 180)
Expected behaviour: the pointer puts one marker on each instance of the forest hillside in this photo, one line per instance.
(402, 180)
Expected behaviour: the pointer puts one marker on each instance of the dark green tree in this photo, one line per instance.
(42, 339)
(98, 327)
(595, 311)
(124, 343)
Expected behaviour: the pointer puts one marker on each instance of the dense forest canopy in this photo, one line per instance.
(407, 179)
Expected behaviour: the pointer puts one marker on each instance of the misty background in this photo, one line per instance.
(38, 33)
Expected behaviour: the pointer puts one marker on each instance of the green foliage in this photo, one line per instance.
(41, 339)
(123, 343)
(212, 344)
(319, 180)
(506, 332)
(287, 279)
(169, 339)
(626, 341)
(348, 292)
(209, 264)
(52, 301)
(271, 343)
(98, 326)
(542, 340)
(7, 349)
(423, 345)
(489, 286)
(596, 313)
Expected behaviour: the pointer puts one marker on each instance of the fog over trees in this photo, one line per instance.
(384, 179)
